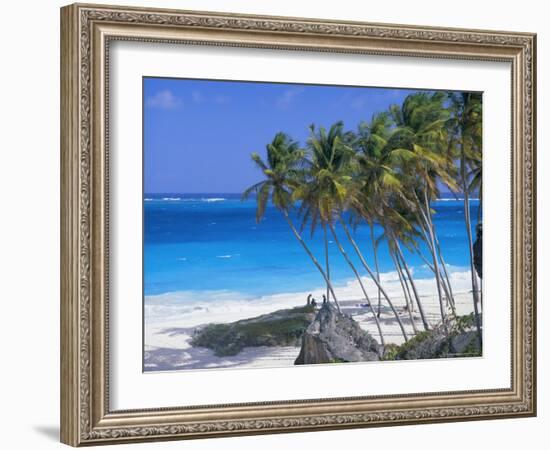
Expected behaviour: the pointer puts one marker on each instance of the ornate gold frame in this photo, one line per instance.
(86, 31)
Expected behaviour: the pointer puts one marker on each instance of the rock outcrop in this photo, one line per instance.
(454, 339)
(335, 337)
(280, 328)
(478, 250)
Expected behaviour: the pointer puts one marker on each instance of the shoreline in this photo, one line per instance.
(172, 318)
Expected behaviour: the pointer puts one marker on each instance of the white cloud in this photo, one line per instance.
(164, 100)
(288, 96)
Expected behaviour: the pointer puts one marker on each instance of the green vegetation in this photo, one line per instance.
(454, 339)
(472, 349)
(465, 322)
(390, 352)
(280, 328)
(403, 350)
(387, 173)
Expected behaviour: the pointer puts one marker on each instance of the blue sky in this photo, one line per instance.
(199, 134)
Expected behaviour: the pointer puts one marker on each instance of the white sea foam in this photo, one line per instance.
(192, 308)
(227, 256)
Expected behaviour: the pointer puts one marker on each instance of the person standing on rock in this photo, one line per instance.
(309, 299)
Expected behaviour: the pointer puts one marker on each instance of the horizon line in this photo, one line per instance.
(240, 193)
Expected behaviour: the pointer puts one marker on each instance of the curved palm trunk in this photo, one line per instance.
(375, 253)
(406, 292)
(326, 259)
(434, 257)
(446, 282)
(480, 204)
(402, 272)
(431, 267)
(413, 285)
(368, 269)
(408, 303)
(470, 246)
(312, 257)
(352, 266)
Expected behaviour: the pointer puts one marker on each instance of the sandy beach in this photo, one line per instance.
(172, 318)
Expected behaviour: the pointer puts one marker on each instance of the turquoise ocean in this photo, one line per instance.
(202, 243)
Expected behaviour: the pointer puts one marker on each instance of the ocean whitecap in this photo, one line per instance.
(227, 256)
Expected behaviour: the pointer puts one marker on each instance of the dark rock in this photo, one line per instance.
(466, 344)
(478, 250)
(453, 339)
(336, 337)
(425, 345)
(280, 328)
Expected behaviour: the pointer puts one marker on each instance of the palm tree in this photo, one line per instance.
(404, 287)
(326, 190)
(401, 230)
(333, 183)
(422, 157)
(283, 173)
(317, 191)
(445, 279)
(375, 279)
(372, 139)
(382, 189)
(466, 128)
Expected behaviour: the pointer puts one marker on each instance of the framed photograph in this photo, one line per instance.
(276, 224)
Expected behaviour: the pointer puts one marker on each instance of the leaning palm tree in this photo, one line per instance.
(466, 128)
(409, 303)
(316, 190)
(400, 230)
(371, 140)
(326, 188)
(380, 189)
(421, 155)
(366, 202)
(283, 172)
(372, 275)
(343, 186)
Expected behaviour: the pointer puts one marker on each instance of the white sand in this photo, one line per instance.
(172, 318)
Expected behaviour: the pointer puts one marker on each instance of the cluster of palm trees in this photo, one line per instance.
(386, 173)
